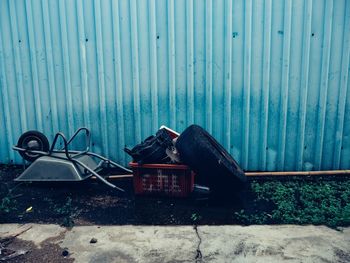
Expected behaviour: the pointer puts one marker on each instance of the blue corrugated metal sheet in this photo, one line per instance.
(268, 78)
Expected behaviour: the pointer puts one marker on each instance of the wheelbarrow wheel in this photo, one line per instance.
(35, 141)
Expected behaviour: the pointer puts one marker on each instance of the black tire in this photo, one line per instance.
(214, 166)
(33, 140)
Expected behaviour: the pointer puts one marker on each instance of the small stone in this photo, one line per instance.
(93, 240)
(65, 252)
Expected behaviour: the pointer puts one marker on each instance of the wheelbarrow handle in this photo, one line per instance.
(65, 148)
(97, 175)
(19, 149)
(88, 137)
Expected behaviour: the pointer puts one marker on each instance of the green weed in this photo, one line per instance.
(299, 202)
(7, 202)
(67, 211)
(196, 217)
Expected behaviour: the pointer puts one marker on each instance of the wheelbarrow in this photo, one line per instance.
(49, 164)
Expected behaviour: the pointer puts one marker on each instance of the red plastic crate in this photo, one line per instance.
(162, 179)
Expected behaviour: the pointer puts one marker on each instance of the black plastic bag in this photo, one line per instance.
(152, 149)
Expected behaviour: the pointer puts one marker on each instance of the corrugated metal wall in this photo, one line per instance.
(268, 78)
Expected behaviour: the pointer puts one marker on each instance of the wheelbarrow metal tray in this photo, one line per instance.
(58, 168)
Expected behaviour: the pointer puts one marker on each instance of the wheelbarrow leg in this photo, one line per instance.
(99, 176)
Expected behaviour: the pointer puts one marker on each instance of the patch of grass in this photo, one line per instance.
(299, 202)
(5, 205)
(195, 217)
(67, 211)
(7, 202)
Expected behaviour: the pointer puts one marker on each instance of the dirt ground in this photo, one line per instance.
(89, 203)
(49, 251)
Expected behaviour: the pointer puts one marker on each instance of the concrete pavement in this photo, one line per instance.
(154, 244)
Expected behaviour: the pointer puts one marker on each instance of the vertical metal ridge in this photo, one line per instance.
(227, 74)
(83, 64)
(153, 63)
(135, 68)
(209, 64)
(343, 89)
(246, 81)
(171, 65)
(66, 66)
(34, 66)
(189, 60)
(265, 82)
(304, 83)
(118, 75)
(322, 102)
(101, 76)
(6, 102)
(285, 82)
(50, 67)
(18, 66)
